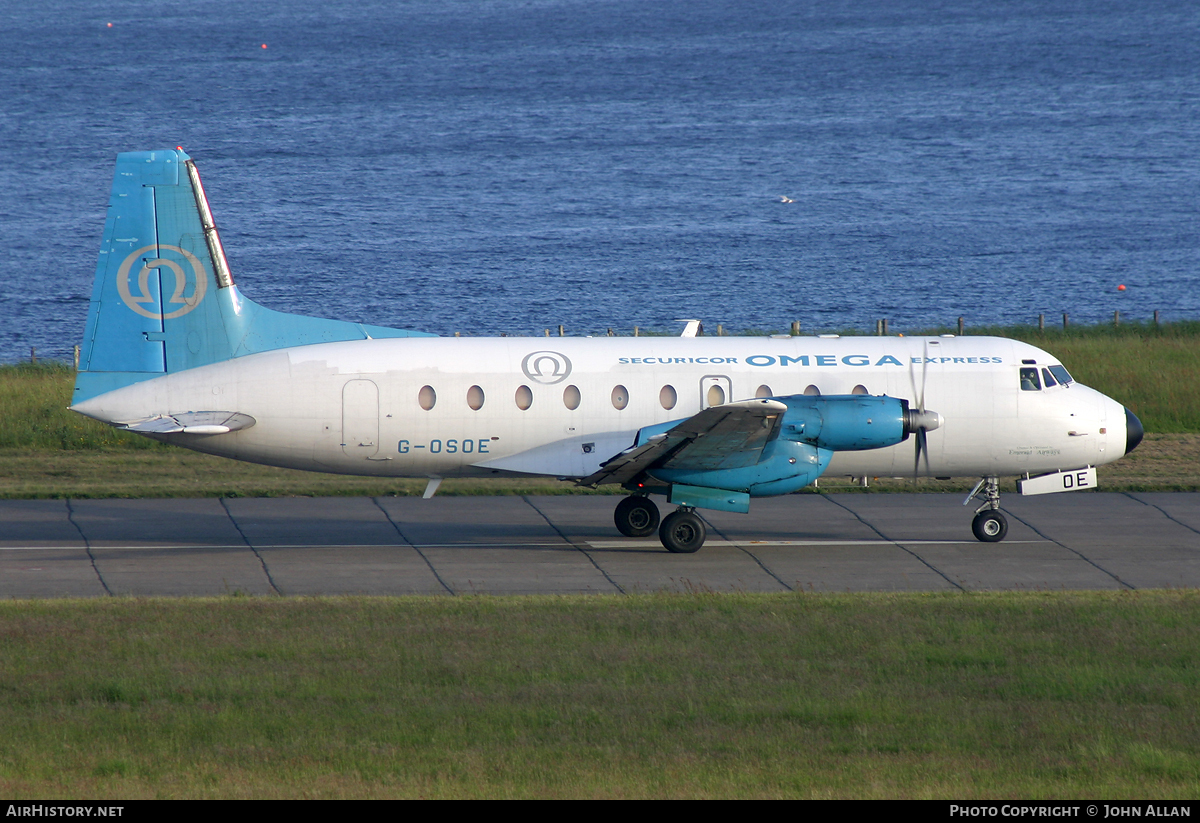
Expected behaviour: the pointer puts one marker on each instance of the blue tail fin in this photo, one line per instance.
(164, 299)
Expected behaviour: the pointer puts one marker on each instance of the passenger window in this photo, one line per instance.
(1029, 380)
(668, 397)
(859, 389)
(620, 397)
(812, 391)
(427, 397)
(1048, 379)
(571, 397)
(524, 397)
(715, 395)
(764, 391)
(475, 398)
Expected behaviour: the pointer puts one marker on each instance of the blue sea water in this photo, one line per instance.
(504, 166)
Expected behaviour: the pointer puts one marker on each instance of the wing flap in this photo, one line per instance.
(719, 437)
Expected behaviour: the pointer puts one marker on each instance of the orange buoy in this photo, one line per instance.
(1121, 287)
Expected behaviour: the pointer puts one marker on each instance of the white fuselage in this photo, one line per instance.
(440, 407)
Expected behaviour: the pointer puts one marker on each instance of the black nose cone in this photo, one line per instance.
(1133, 431)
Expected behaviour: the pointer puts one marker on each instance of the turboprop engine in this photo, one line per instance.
(798, 445)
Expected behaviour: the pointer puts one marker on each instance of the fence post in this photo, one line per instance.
(1117, 317)
(1041, 322)
(960, 326)
(795, 328)
(635, 331)
(1064, 321)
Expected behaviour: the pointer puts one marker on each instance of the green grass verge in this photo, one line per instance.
(1005, 695)
(34, 401)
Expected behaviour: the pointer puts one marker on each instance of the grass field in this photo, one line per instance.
(48, 451)
(1016, 695)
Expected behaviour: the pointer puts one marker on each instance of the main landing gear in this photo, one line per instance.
(682, 531)
(990, 524)
(636, 516)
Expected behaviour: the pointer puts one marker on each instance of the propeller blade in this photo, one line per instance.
(922, 421)
(917, 457)
(924, 375)
(919, 400)
(923, 450)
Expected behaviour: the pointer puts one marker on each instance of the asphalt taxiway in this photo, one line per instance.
(558, 545)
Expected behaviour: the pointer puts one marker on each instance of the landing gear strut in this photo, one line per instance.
(636, 516)
(990, 524)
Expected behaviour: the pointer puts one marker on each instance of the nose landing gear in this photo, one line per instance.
(990, 525)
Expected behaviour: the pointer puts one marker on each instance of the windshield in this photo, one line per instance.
(1062, 374)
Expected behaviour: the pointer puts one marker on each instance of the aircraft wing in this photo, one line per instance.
(720, 437)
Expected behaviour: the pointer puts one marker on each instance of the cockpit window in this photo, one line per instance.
(1029, 380)
(1062, 374)
(1048, 378)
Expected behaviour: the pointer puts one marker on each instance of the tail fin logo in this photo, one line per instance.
(144, 302)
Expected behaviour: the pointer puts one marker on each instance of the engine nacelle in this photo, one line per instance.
(847, 422)
(786, 466)
(801, 446)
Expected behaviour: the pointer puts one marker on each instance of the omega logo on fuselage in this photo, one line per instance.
(546, 367)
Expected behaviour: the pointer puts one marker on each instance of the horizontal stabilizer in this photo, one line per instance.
(206, 422)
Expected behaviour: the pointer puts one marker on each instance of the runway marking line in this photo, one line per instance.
(614, 544)
(243, 546)
(737, 543)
